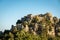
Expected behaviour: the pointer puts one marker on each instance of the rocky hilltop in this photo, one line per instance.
(42, 24)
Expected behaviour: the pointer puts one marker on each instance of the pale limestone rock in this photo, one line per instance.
(52, 32)
(20, 26)
(26, 28)
(13, 28)
(41, 18)
(56, 20)
(48, 14)
(49, 17)
(58, 34)
(34, 32)
(35, 27)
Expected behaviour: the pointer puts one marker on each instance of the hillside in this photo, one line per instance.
(34, 27)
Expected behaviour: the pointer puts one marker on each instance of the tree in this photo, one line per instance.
(18, 22)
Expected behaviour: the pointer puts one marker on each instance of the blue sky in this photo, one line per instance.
(12, 10)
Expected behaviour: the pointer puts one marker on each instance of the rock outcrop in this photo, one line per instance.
(38, 23)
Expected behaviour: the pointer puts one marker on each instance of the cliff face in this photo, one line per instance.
(34, 27)
(37, 24)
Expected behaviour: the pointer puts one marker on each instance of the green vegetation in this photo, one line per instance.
(38, 27)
